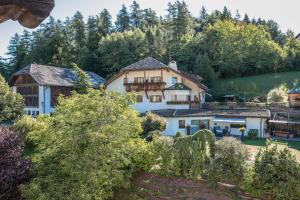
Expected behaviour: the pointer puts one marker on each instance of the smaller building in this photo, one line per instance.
(189, 121)
(294, 97)
(41, 85)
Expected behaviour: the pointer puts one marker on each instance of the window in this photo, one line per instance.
(33, 113)
(174, 80)
(196, 98)
(28, 112)
(30, 94)
(181, 123)
(156, 79)
(139, 80)
(139, 98)
(37, 113)
(237, 125)
(155, 98)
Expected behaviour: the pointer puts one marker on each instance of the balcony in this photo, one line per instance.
(144, 86)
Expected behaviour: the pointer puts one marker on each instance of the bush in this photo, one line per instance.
(179, 134)
(192, 152)
(11, 104)
(278, 95)
(153, 122)
(163, 155)
(277, 174)
(253, 133)
(23, 126)
(90, 146)
(229, 162)
(13, 169)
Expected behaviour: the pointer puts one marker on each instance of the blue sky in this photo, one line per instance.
(285, 12)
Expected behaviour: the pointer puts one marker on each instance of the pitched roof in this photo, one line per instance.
(252, 113)
(178, 86)
(146, 64)
(150, 63)
(55, 76)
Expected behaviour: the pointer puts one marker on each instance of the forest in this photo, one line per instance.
(217, 45)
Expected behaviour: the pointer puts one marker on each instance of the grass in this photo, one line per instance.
(255, 85)
(255, 145)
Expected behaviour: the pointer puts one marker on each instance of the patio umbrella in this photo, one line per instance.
(29, 13)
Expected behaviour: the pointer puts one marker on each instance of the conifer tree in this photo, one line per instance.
(82, 81)
(123, 20)
(136, 16)
(105, 23)
(204, 69)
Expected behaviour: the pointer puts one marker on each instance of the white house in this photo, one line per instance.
(41, 85)
(178, 96)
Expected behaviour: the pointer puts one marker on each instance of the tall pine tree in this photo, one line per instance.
(123, 20)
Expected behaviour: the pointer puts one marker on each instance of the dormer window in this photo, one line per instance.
(174, 80)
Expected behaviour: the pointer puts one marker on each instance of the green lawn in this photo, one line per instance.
(255, 145)
(255, 85)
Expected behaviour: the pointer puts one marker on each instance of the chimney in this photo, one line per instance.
(173, 65)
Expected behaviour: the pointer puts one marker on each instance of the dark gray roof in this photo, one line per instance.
(262, 113)
(55, 76)
(178, 86)
(146, 64)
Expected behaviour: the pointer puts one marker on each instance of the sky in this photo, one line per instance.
(284, 12)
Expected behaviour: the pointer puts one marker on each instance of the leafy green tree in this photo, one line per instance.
(123, 20)
(82, 82)
(89, 148)
(11, 104)
(204, 69)
(277, 174)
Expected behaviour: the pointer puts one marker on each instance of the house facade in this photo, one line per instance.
(178, 96)
(41, 85)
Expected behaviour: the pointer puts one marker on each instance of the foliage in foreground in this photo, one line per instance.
(153, 122)
(229, 162)
(13, 169)
(277, 174)
(278, 95)
(11, 104)
(89, 147)
(185, 156)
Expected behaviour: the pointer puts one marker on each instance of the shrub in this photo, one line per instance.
(253, 133)
(191, 153)
(278, 95)
(229, 162)
(90, 147)
(23, 126)
(179, 134)
(11, 104)
(13, 169)
(153, 122)
(277, 174)
(163, 155)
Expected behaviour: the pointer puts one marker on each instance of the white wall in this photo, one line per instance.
(173, 124)
(146, 105)
(251, 123)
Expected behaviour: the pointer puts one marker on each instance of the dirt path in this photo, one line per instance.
(153, 187)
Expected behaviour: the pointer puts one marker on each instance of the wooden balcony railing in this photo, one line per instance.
(146, 86)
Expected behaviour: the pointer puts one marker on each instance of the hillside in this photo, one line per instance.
(255, 85)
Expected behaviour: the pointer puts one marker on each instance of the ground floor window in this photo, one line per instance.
(155, 98)
(181, 123)
(139, 98)
(197, 125)
(237, 125)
